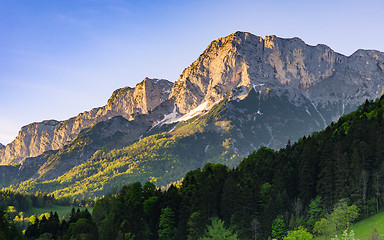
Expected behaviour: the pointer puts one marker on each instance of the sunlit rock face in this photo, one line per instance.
(36, 138)
(333, 83)
(243, 59)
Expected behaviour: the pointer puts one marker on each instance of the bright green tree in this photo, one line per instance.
(324, 227)
(279, 229)
(343, 215)
(299, 234)
(340, 219)
(314, 212)
(217, 231)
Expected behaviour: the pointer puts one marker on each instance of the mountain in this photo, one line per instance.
(36, 138)
(243, 92)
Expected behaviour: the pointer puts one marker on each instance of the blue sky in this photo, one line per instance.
(59, 58)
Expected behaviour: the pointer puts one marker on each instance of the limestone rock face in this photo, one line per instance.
(36, 138)
(243, 59)
(332, 82)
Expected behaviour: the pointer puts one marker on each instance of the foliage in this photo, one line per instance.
(315, 212)
(7, 229)
(340, 219)
(279, 229)
(217, 231)
(167, 224)
(299, 234)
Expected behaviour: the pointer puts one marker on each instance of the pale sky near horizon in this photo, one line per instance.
(60, 58)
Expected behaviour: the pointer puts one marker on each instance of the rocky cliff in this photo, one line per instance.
(241, 61)
(36, 138)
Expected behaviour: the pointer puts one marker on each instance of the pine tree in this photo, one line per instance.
(167, 224)
(217, 231)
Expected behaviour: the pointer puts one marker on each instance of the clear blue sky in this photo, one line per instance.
(62, 57)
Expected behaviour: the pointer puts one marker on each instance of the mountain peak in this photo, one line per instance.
(243, 60)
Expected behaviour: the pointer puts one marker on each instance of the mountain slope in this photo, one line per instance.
(243, 92)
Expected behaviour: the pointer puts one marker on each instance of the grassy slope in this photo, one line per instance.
(363, 228)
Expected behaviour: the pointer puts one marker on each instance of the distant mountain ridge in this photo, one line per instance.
(242, 92)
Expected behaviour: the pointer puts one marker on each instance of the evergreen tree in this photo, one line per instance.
(167, 224)
(217, 231)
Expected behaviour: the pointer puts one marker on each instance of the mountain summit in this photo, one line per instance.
(242, 92)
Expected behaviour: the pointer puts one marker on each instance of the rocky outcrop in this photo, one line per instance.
(36, 138)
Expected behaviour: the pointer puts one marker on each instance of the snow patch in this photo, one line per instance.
(206, 148)
(174, 118)
(168, 118)
(258, 112)
(195, 112)
(308, 112)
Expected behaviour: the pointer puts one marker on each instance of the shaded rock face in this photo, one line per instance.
(36, 138)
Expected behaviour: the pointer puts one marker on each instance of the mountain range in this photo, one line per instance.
(242, 92)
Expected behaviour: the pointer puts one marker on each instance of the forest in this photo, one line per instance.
(315, 187)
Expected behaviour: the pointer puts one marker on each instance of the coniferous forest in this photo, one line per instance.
(316, 186)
